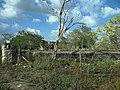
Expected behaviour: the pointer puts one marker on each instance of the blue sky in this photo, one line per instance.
(34, 16)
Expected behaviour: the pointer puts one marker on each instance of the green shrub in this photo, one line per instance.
(104, 67)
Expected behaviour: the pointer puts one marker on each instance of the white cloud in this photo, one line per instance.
(35, 31)
(76, 13)
(52, 19)
(37, 6)
(91, 6)
(36, 20)
(8, 12)
(55, 3)
(54, 33)
(16, 26)
(89, 20)
(15, 8)
(4, 27)
(12, 2)
(108, 11)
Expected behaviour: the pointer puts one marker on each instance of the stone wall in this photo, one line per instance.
(37, 55)
(86, 54)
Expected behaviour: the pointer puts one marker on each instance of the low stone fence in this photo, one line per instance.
(36, 55)
(72, 54)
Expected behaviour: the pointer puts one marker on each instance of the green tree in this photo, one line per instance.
(27, 40)
(104, 43)
(74, 38)
(82, 38)
(112, 30)
(63, 44)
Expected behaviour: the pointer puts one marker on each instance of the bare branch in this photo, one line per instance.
(60, 19)
(67, 1)
(55, 13)
(71, 21)
(75, 24)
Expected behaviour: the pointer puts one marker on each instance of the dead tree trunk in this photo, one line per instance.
(65, 21)
(54, 55)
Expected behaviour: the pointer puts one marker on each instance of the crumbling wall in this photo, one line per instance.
(6, 55)
(84, 54)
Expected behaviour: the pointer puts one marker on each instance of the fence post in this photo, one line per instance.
(18, 55)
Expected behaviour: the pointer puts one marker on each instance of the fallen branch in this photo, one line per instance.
(25, 59)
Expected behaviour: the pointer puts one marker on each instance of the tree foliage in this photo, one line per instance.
(82, 38)
(27, 40)
(112, 32)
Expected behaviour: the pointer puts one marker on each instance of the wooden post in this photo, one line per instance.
(18, 56)
(80, 61)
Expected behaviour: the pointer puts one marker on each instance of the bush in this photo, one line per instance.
(104, 67)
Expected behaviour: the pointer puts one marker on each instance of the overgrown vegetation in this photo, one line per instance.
(43, 74)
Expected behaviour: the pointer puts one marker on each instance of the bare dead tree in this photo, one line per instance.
(65, 22)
